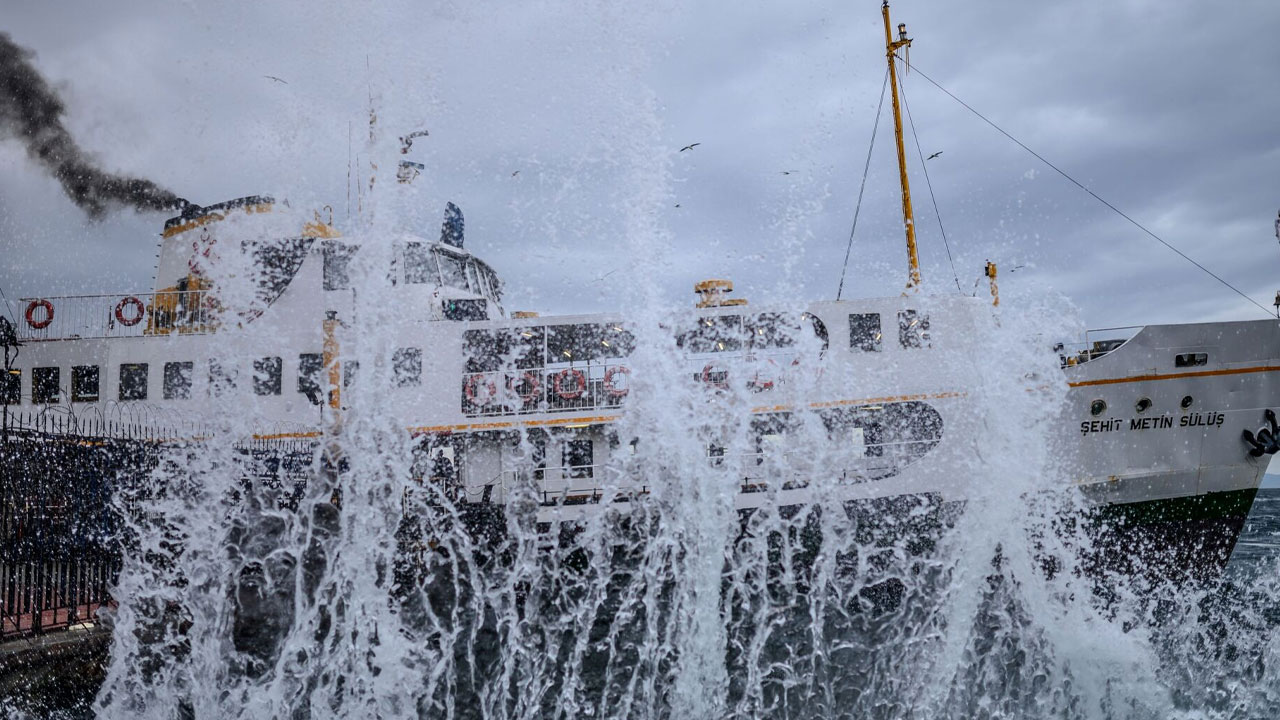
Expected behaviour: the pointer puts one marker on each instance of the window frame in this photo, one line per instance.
(135, 386)
(179, 376)
(11, 387)
(873, 343)
(46, 385)
(410, 357)
(80, 374)
(268, 376)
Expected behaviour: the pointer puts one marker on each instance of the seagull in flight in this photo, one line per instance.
(934, 155)
(787, 172)
(515, 173)
(279, 80)
(690, 147)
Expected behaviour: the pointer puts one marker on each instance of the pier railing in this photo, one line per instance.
(74, 317)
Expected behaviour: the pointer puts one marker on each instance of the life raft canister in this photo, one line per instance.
(134, 303)
(31, 311)
(611, 388)
(472, 385)
(579, 382)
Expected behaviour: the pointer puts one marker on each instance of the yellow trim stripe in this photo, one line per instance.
(599, 419)
(1175, 376)
(212, 217)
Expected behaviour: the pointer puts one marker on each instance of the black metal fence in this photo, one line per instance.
(63, 487)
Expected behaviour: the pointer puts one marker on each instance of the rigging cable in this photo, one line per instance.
(929, 184)
(865, 169)
(1097, 197)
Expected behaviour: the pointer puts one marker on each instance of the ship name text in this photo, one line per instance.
(1161, 422)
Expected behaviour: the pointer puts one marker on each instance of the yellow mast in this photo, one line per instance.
(892, 47)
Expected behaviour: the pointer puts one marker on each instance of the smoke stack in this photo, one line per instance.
(32, 112)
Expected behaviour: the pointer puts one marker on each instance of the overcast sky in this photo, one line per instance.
(1170, 110)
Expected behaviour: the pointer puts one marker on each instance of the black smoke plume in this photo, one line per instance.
(31, 111)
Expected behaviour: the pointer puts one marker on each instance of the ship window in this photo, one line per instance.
(572, 343)
(177, 380)
(913, 329)
(714, 334)
(465, 310)
(350, 371)
(309, 367)
(579, 458)
(11, 387)
(864, 332)
(133, 381)
(221, 378)
(453, 272)
(45, 385)
(1143, 405)
(539, 457)
(406, 366)
(337, 261)
(1190, 359)
(1097, 407)
(84, 383)
(266, 375)
(420, 265)
(1187, 402)
(771, 330)
(615, 341)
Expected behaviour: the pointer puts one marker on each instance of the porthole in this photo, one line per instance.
(1186, 402)
(1098, 407)
(1143, 405)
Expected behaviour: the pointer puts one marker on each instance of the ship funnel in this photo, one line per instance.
(451, 230)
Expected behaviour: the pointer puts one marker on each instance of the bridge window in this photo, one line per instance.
(266, 375)
(406, 367)
(420, 265)
(864, 332)
(45, 385)
(714, 334)
(913, 329)
(133, 381)
(309, 367)
(579, 457)
(453, 271)
(1190, 359)
(465, 309)
(84, 383)
(337, 262)
(11, 387)
(222, 379)
(177, 380)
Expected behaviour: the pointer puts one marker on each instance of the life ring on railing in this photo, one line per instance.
(130, 302)
(706, 378)
(48, 314)
(470, 390)
(580, 381)
(756, 384)
(613, 390)
(531, 382)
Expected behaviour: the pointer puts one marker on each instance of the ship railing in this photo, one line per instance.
(1097, 343)
(72, 317)
(584, 386)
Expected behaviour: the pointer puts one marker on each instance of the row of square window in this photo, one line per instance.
(46, 382)
(865, 334)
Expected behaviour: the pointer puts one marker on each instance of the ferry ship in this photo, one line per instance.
(1168, 429)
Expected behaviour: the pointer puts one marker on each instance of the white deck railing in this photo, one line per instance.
(112, 316)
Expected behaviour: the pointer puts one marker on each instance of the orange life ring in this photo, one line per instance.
(757, 384)
(706, 378)
(48, 314)
(491, 390)
(531, 381)
(132, 302)
(579, 379)
(612, 389)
